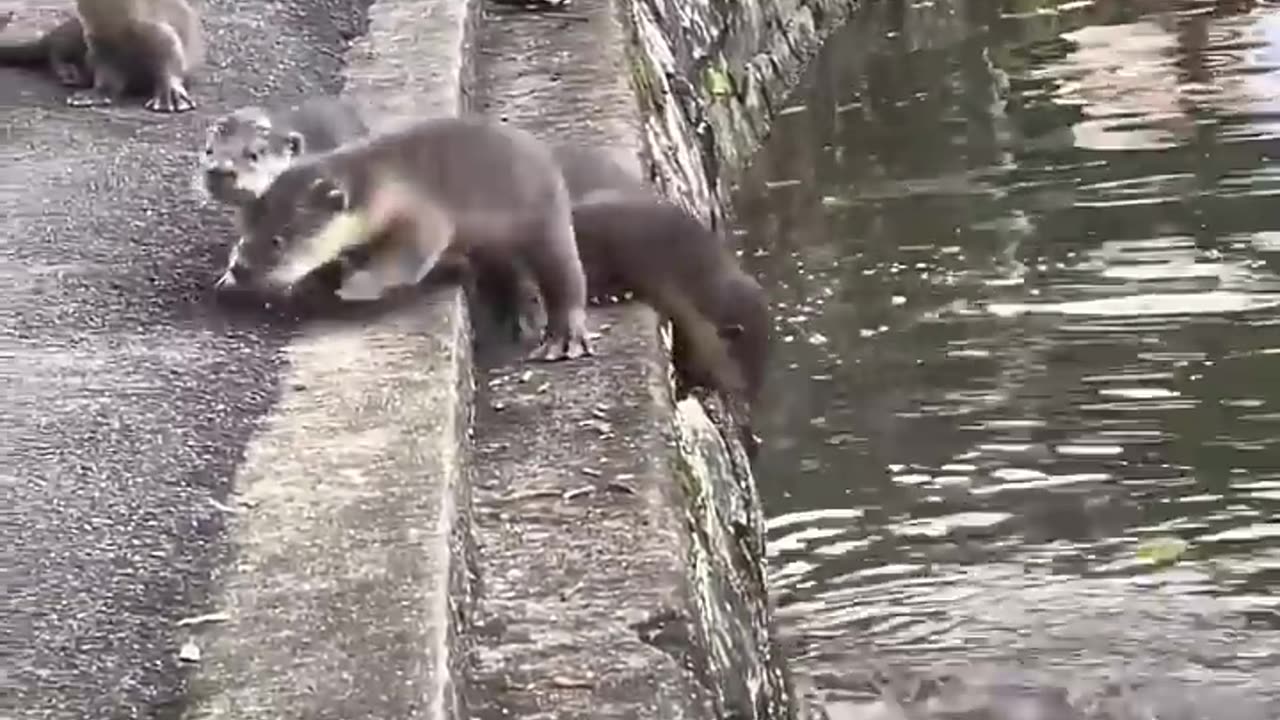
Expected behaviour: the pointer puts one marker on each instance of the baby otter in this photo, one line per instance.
(246, 149)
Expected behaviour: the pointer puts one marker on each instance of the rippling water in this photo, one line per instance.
(1025, 410)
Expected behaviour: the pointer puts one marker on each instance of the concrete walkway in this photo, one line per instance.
(131, 403)
(164, 458)
(579, 516)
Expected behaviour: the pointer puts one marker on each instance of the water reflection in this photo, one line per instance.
(1024, 265)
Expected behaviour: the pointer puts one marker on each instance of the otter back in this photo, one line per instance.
(324, 123)
(593, 173)
(670, 260)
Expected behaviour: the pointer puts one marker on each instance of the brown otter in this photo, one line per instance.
(671, 261)
(401, 200)
(247, 148)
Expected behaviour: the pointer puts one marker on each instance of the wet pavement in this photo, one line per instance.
(129, 396)
(1023, 419)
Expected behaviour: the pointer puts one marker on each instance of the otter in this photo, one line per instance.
(246, 149)
(639, 245)
(590, 173)
(393, 205)
(243, 156)
(139, 46)
(668, 259)
(633, 243)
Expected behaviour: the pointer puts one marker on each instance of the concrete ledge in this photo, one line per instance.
(352, 574)
(584, 605)
(584, 610)
(339, 599)
(620, 540)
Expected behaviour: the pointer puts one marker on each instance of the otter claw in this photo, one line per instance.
(542, 352)
(578, 349)
(171, 100)
(555, 349)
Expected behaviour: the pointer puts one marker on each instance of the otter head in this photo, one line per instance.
(244, 153)
(304, 221)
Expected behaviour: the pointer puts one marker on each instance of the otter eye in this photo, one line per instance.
(252, 155)
(208, 151)
(277, 240)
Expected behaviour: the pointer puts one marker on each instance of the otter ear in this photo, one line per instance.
(329, 193)
(295, 143)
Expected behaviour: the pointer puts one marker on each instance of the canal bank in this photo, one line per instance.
(419, 536)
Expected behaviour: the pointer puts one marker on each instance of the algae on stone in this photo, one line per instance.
(710, 76)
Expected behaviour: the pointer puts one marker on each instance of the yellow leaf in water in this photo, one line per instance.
(1162, 550)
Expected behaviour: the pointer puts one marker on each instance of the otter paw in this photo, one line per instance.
(171, 100)
(89, 99)
(550, 350)
(579, 348)
(361, 286)
(527, 328)
(543, 352)
(554, 349)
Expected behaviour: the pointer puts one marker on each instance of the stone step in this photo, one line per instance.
(350, 574)
(585, 608)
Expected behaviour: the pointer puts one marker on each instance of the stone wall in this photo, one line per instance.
(709, 77)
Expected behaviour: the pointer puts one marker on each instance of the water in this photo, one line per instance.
(1024, 421)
